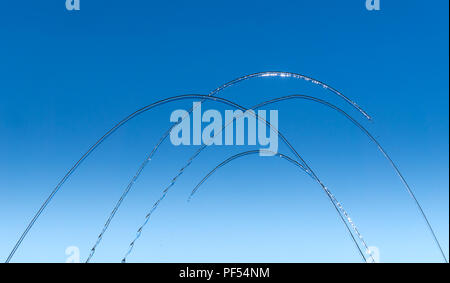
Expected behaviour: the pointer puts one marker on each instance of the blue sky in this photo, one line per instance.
(66, 77)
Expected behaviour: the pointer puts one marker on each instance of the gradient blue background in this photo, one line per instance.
(67, 77)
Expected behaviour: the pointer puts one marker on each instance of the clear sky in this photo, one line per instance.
(66, 77)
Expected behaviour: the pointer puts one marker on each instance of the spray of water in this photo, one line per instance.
(256, 75)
